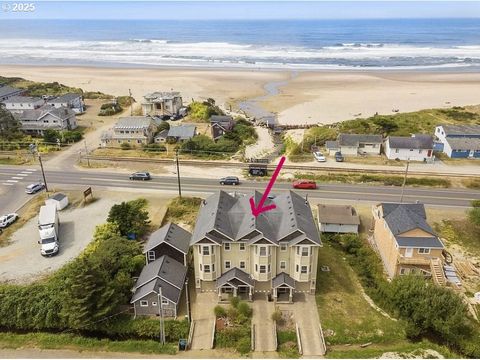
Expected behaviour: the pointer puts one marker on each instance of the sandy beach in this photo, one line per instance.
(309, 97)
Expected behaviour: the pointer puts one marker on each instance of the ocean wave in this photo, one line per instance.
(160, 52)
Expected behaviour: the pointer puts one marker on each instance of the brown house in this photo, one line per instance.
(405, 241)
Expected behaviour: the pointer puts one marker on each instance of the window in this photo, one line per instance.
(296, 268)
(242, 264)
(143, 303)
(304, 270)
(263, 269)
(256, 268)
(226, 246)
(206, 250)
(213, 267)
(403, 271)
(396, 151)
(164, 301)
(201, 269)
(305, 251)
(228, 264)
(283, 265)
(419, 151)
(206, 268)
(200, 250)
(283, 247)
(263, 251)
(424, 251)
(269, 269)
(154, 303)
(151, 255)
(242, 247)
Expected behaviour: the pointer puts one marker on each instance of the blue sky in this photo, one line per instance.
(190, 10)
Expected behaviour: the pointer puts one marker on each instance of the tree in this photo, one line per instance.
(50, 136)
(164, 125)
(130, 217)
(385, 124)
(9, 126)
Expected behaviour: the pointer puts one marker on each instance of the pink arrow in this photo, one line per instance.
(258, 210)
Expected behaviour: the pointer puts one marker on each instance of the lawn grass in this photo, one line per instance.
(80, 343)
(287, 344)
(346, 316)
(182, 210)
(16, 160)
(460, 232)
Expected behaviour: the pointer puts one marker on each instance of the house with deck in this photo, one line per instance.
(355, 144)
(36, 121)
(132, 130)
(17, 104)
(221, 124)
(418, 147)
(72, 101)
(237, 254)
(405, 241)
(161, 103)
(8, 91)
(459, 141)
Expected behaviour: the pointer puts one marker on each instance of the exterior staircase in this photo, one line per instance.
(438, 275)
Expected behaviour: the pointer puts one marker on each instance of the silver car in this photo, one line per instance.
(34, 188)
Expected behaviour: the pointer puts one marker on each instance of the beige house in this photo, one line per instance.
(133, 130)
(162, 103)
(405, 241)
(274, 254)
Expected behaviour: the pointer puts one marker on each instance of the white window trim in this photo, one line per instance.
(306, 269)
(260, 269)
(143, 303)
(424, 251)
(244, 265)
(283, 245)
(227, 246)
(229, 264)
(151, 255)
(165, 302)
(205, 267)
(240, 247)
(284, 263)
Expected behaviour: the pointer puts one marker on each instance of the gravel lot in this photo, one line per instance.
(21, 262)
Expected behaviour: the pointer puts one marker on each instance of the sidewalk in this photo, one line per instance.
(262, 320)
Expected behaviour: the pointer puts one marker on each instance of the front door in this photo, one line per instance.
(471, 153)
(408, 252)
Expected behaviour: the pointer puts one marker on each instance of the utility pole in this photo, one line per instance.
(178, 175)
(86, 153)
(188, 300)
(404, 180)
(162, 322)
(43, 172)
(131, 103)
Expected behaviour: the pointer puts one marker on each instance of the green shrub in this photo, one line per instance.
(234, 301)
(244, 309)
(219, 311)
(277, 315)
(243, 346)
(154, 148)
(71, 136)
(125, 146)
(131, 217)
(109, 109)
(202, 111)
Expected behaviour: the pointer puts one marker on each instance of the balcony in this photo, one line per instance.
(413, 260)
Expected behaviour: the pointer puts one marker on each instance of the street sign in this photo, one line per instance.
(87, 192)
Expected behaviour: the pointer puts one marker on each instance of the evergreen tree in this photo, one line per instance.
(10, 127)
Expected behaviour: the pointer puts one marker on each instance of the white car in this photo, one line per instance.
(8, 219)
(319, 156)
(34, 188)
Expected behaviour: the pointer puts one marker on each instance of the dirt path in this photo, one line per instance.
(262, 147)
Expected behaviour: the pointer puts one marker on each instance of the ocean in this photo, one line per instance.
(266, 44)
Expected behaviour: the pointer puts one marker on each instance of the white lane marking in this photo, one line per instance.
(9, 184)
(22, 174)
(12, 181)
(26, 172)
(17, 177)
(31, 169)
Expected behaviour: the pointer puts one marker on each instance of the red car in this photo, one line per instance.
(304, 184)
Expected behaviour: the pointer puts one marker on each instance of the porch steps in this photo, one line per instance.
(437, 272)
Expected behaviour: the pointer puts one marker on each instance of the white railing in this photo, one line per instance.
(322, 339)
(299, 339)
(212, 342)
(190, 334)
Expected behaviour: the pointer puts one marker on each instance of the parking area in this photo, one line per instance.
(21, 262)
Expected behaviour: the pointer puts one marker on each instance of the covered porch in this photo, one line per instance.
(283, 287)
(235, 283)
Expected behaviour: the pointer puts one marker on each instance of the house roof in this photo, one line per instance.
(464, 144)
(161, 96)
(405, 217)
(225, 217)
(419, 242)
(220, 118)
(170, 234)
(356, 139)
(182, 131)
(58, 197)
(332, 144)
(64, 98)
(22, 99)
(62, 113)
(6, 90)
(133, 122)
(164, 272)
(235, 274)
(418, 141)
(283, 279)
(162, 134)
(461, 130)
(338, 214)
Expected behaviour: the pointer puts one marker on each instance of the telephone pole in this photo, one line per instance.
(86, 153)
(178, 175)
(43, 172)
(404, 180)
(162, 322)
(131, 102)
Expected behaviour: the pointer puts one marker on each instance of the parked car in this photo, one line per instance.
(319, 156)
(140, 175)
(362, 152)
(304, 184)
(8, 219)
(229, 180)
(339, 157)
(34, 188)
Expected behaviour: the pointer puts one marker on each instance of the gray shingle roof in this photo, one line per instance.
(183, 132)
(461, 130)
(35, 114)
(64, 98)
(164, 272)
(356, 139)
(58, 196)
(220, 119)
(464, 144)
(133, 122)
(228, 217)
(6, 90)
(337, 214)
(419, 242)
(235, 274)
(283, 279)
(419, 141)
(405, 217)
(331, 144)
(171, 234)
(22, 99)
(161, 95)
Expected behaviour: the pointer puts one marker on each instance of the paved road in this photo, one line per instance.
(13, 195)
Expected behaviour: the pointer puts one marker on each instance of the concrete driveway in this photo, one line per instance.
(21, 262)
(204, 317)
(262, 320)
